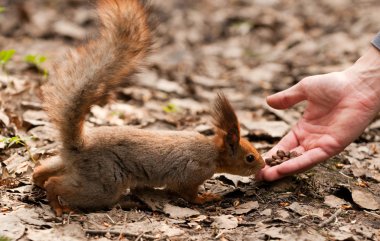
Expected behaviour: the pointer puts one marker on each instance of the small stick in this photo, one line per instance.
(103, 232)
(113, 222)
(219, 234)
(345, 175)
(68, 218)
(139, 237)
(330, 219)
(121, 236)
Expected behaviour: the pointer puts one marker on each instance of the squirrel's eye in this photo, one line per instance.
(250, 158)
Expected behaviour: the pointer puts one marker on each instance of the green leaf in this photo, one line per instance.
(3, 238)
(35, 59)
(45, 73)
(6, 55)
(31, 59)
(170, 108)
(2, 9)
(10, 141)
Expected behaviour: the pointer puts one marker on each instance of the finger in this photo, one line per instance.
(299, 164)
(287, 98)
(287, 143)
(259, 174)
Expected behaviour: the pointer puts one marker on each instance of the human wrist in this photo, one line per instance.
(366, 74)
(367, 67)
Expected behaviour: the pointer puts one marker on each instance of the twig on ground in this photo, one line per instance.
(125, 233)
(248, 224)
(345, 175)
(219, 234)
(139, 237)
(69, 218)
(330, 219)
(121, 236)
(112, 221)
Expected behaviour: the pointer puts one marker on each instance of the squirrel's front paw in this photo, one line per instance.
(59, 210)
(54, 189)
(207, 197)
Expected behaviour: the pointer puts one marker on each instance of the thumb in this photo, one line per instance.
(287, 98)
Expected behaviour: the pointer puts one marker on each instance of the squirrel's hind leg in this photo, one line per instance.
(206, 197)
(47, 169)
(191, 195)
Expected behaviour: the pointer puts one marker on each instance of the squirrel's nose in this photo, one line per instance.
(261, 162)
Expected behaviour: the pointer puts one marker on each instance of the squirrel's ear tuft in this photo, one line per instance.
(226, 122)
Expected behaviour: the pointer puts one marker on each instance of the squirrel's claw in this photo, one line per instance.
(207, 197)
(60, 209)
(55, 205)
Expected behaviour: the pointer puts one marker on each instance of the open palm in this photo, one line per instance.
(338, 110)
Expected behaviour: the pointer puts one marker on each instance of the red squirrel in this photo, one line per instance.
(95, 166)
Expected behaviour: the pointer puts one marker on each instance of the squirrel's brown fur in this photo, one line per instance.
(97, 68)
(96, 166)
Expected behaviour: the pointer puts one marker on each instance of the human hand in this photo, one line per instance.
(340, 105)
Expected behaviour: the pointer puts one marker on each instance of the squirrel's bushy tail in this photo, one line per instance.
(93, 70)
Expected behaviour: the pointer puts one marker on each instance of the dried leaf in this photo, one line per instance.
(302, 210)
(246, 207)
(275, 129)
(68, 232)
(4, 119)
(69, 29)
(178, 212)
(333, 201)
(11, 226)
(157, 228)
(225, 222)
(266, 212)
(365, 199)
(341, 235)
(35, 117)
(235, 179)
